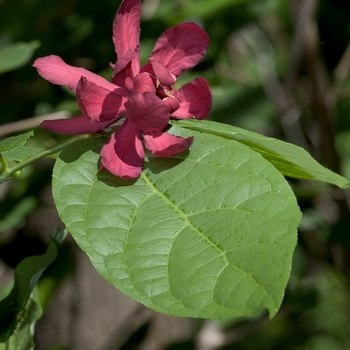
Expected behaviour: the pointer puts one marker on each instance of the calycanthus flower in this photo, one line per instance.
(144, 96)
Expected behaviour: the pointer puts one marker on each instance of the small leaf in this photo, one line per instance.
(14, 307)
(289, 159)
(209, 233)
(16, 55)
(21, 153)
(13, 142)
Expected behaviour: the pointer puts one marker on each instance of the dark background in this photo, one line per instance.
(277, 67)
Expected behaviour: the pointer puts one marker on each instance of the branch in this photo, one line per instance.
(342, 69)
(8, 173)
(31, 123)
(303, 13)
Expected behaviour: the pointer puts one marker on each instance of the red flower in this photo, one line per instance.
(144, 95)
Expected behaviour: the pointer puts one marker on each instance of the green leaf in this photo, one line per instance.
(5, 291)
(174, 11)
(209, 233)
(289, 159)
(208, 8)
(14, 308)
(18, 213)
(16, 55)
(22, 339)
(21, 153)
(11, 143)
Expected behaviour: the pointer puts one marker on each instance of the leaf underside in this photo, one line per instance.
(209, 233)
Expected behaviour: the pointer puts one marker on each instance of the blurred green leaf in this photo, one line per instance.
(176, 11)
(5, 291)
(16, 55)
(22, 339)
(18, 213)
(13, 142)
(289, 159)
(330, 316)
(232, 101)
(16, 312)
(342, 143)
(207, 8)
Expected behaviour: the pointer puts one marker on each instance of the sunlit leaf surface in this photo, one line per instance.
(13, 142)
(289, 159)
(209, 233)
(21, 153)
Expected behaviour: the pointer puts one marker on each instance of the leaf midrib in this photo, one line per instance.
(206, 239)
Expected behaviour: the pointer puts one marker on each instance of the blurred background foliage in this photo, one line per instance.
(277, 67)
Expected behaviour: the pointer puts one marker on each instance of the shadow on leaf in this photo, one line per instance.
(75, 150)
(157, 165)
(113, 180)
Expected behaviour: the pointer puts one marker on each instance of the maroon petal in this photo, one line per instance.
(144, 82)
(172, 103)
(160, 72)
(180, 47)
(147, 111)
(56, 71)
(126, 27)
(166, 145)
(195, 100)
(123, 154)
(74, 126)
(126, 68)
(99, 103)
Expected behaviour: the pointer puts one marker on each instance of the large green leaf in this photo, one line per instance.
(209, 233)
(289, 159)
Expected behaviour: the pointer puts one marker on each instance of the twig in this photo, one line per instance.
(342, 69)
(260, 50)
(322, 100)
(9, 173)
(324, 112)
(31, 123)
(303, 14)
(149, 8)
